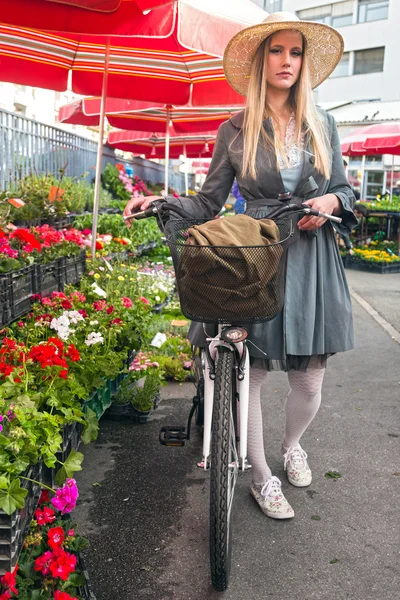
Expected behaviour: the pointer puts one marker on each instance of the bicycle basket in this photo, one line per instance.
(228, 284)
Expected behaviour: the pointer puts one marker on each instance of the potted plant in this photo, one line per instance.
(139, 393)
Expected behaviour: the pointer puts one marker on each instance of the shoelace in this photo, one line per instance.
(272, 486)
(296, 455)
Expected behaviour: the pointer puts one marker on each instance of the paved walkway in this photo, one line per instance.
(145, 507)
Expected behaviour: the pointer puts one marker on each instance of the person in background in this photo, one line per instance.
(240, 204)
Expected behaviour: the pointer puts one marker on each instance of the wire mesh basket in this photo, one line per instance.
(228, 284)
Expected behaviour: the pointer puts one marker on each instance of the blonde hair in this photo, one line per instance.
(308, 120)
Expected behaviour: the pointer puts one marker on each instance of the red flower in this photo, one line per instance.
(5, 596)
(110, 309)
(63, 564)
(78, 297)
(45, 516)
(116, 322)
(127, 302)
(144, 300)
(86, 231)
(99, 246)
(73, 353)
(83, 312)
(99, 305)
(63, 374)
(44, 497)
(66, 304)
(55, 537)
(58, 595)
(9, 580)
(42, 563)
(58, 295)
(27, 238)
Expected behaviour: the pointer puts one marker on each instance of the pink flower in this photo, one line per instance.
(144, 300)
(127, 302)
(66, 497)
(86, 231)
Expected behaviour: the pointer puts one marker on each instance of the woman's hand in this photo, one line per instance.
(141, 202)
(329, 204)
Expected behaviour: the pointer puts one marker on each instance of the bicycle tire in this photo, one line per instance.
(220, 479)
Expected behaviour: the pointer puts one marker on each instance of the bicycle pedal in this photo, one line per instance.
(172, 436)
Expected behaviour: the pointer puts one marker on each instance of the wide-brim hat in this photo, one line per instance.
(324, 48)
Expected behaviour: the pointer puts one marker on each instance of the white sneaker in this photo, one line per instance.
(271, 500)
(297, 470)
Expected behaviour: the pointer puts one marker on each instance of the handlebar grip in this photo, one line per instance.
(318, 213)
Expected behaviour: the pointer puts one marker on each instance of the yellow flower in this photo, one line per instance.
(123, 265)
(108, 275)
(96, 276)
(120, 278)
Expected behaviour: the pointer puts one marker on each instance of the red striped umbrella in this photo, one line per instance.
(96, 17)
(155, 146)
(141, 116)
(179, 65)
(380, 138)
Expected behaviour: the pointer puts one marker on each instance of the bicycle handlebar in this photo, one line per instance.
(162, 207)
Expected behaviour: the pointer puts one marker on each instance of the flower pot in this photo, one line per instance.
(124, 412)
(16, 289)
(73, 268)
(14, 528)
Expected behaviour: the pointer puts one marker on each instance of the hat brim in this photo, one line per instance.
(324, 50)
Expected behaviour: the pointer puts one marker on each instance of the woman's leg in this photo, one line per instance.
(265, 489)
(255, 440)
(302, 403)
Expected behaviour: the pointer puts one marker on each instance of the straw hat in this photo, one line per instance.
(324, 48)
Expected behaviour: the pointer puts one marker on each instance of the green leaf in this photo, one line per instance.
(316, 518)
(334, 561)
(92, 427)
(72, 464)
(4, 482)
(4, 441)
(74, 580)
(333, 475)
(13, 497)
(25, 401)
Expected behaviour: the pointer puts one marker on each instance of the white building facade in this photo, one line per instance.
(369, 68)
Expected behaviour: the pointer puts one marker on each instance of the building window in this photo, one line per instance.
(372, 10)
(336, 15)
(342, 70)
(369, 61)
(273, 6)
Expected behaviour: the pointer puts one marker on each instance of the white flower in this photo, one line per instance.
(64, 333)
(98, 291)
(157, 298)
(74, 316)
(94, 338)
(93, 323)
(39, 324)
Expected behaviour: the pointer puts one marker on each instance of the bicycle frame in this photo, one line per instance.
(242, 386)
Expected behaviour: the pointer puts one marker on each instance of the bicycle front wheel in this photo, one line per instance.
(224, 469)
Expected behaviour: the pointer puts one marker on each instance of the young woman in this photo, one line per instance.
(282, 143)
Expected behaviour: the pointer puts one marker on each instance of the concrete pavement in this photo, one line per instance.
(145, 507)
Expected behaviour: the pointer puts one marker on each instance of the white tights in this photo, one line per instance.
(302, 404)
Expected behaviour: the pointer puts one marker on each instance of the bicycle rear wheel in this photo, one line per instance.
(224, 469)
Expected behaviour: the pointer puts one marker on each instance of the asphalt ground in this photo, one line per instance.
(144, 507)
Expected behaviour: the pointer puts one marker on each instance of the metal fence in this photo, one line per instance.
(28, 146)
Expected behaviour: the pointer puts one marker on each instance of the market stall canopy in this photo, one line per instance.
(141, 116)
(382, 138)
(154, 146)
(206, 25)
(161, 69)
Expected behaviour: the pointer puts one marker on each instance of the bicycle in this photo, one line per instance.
(223, 368)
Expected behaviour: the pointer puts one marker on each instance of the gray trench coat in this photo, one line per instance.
(317, 318)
